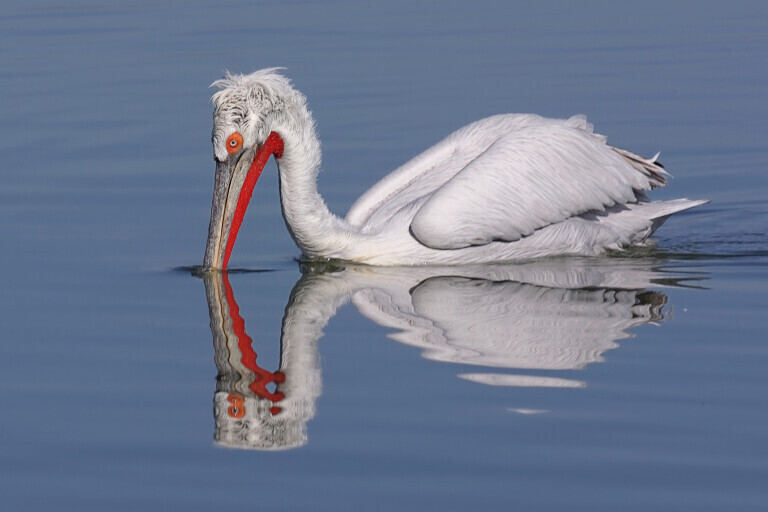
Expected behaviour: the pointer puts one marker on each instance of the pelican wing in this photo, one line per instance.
(416, 180)
(529, 178)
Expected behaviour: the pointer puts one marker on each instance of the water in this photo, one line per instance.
(631, 383)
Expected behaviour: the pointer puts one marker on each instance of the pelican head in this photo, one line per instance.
(253, 114)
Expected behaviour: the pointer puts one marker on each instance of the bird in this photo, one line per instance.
(501, 189)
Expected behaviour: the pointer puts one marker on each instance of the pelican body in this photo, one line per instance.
(508, 187)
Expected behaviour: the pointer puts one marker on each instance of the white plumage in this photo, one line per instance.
(503, 188)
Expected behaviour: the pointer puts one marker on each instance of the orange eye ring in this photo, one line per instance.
(234, 143)
(237, 409)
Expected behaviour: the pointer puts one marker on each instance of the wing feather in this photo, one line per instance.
(423, 174)
(528, 179)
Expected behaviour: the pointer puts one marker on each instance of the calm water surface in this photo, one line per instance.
(625, 383)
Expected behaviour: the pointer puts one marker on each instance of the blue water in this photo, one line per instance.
(629, 383)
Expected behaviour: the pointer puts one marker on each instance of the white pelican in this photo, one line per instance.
(503, 188)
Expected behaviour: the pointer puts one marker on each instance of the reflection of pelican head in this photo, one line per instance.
(250, 422)
(253, 407)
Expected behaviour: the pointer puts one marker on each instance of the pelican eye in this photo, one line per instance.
(234, 143)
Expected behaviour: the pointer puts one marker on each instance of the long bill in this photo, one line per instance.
(232, 191)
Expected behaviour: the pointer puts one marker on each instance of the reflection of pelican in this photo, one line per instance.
(503, 188)
(545, 315)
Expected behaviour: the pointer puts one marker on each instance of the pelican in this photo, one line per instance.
(508, 187)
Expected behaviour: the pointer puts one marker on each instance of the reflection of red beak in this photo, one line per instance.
(244, 343)
(232, 191)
